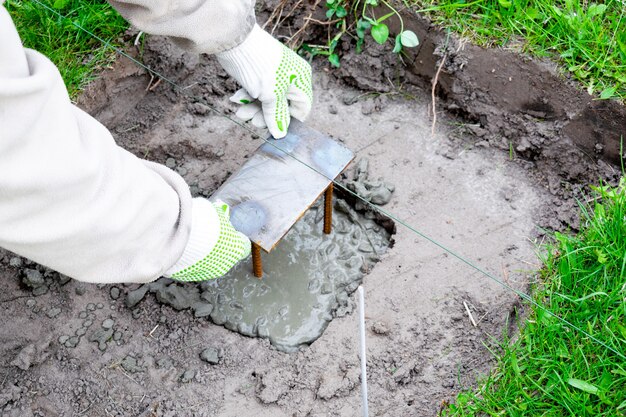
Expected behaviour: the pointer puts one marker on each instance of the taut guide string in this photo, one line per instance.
(459, 257)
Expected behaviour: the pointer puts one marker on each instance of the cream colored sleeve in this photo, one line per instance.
(203, 26)
(70, 198)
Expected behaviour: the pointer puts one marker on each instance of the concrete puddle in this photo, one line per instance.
(307, 281)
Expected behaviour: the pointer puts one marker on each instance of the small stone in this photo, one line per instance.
(380, 328)
(40, 291)
(99, 306)
(114, 292)
(182, 171)
(170, 163)
(117, 336)
(82, 315)
(30, 355)
(202, 309)
(332, 109)
(33, 278)
(72, 342)
(15, 262)
(53, 312)
(130, 364)
(62, 339)
(91, 307)
(80, 290)
(64, 279)
(108, 323)
(210, 355)
(165, 363)
(201, 109)
(134, 297)
(188, 376)
(101, 336)
(136, 313)
(30, 303)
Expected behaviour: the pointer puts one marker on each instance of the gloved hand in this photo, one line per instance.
(214, 246)
(275, 75)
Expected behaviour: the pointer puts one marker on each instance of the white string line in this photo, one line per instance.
(375, 207)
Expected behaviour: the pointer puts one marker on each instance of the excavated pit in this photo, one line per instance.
(307, 281)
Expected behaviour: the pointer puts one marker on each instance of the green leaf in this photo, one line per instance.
(583, 385)
(505, 3)
(341, 12)
(330, 13)
(596, 9)
(409, 39)
(602, 258)
(334, 60)
(59, 4)
(398, 45)
(380, 33)
(363, 24)
(515, 365)
(532, 13)
(608, 93)
(372, 2)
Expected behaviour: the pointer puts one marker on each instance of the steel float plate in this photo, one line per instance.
(281, 180)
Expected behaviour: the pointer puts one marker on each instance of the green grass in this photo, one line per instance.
(588, 38)
(78, 55)
(551, 370)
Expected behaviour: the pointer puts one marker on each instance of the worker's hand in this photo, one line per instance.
(214, 246)
(274, 75)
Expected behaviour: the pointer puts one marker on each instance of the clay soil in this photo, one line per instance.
(463, 186)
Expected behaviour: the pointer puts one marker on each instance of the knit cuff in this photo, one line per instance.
(258, 54)
(205, 230)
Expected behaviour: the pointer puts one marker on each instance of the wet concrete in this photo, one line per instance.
(307, 281)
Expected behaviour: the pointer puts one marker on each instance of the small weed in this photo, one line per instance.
(356, 18)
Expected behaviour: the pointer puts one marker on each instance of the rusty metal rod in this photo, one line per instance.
(257, 264)
(328, 209)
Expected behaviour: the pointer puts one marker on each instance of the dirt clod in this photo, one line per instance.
(210, 355)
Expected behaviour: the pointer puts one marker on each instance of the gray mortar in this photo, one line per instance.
(307, 280)
(376, 192)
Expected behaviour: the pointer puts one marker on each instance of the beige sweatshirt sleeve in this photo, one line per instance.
(204, 26)
(70, 198)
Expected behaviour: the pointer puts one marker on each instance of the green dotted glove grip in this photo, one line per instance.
(230, 248)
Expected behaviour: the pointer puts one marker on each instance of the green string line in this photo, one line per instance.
(375, 207)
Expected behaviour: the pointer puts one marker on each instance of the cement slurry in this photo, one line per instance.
(307, 281)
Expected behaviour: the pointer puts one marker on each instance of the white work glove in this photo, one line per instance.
(274, 75)
(214, 246)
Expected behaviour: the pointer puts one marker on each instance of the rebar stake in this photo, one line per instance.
(328, 209)
(257, 264)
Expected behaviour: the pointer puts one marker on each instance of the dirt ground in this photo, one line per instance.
(72, 349)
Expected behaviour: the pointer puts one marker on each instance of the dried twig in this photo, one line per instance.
(434, 98)
(155, 84)
(469, 313)
(307, 20)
